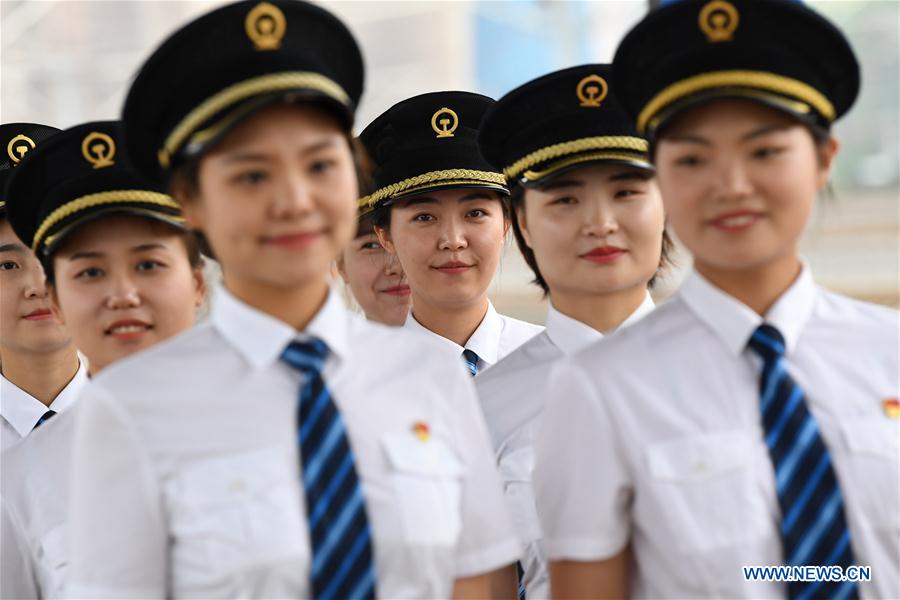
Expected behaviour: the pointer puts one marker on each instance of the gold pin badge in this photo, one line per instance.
(891, 407)
(265, 26)
(591, 91)
(18, 147)
(98, 149)
(719, 20)
(444, 122)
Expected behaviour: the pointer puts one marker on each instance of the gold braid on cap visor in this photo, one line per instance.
(460, 177)
(274, 82)
(750, 80)
(606, 142)
(121, 197)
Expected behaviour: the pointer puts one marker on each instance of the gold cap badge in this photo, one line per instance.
(18, 147)
(265, 26)
(98, 149)
(591, 91)
(718, 20)
(444, 122)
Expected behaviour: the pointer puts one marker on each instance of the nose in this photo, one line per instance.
(123, 294)
(294, 198)
(392, 265)
(36, 286)
(453, 235)
(600, 220)
(733, 181)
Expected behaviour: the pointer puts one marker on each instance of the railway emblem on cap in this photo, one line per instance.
(591, 91)
(265, 26)
(98, 149)
(444, 122)
(18, 147)
(718, 20)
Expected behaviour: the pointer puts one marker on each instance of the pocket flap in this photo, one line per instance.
(879, 436)
(431, 458)
(701, 457)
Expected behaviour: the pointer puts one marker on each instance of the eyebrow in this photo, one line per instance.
(430, 200)
(135, 250)
(756, 133)
(260, 156)
(12, 248)
(764, 130)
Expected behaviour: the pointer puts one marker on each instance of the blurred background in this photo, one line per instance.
(67, 61)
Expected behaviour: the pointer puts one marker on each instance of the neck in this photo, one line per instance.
(456, 324)
(42, 375)
(295, 306)
(602, 312)
(759, 288)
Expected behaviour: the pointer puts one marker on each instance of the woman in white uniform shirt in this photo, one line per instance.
(41, 372)
(285, 448)
(441, 208)
(124, 274)
(751, 420)
(589, 221)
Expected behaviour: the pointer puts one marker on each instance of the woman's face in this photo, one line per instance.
(739, 181)
(277, 198)
(595, 230)
(449, 244)
(375, 278)
(27, 324)
(123, 284)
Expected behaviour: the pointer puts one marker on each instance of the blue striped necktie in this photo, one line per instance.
(813, 527)
(342, 562)
(471, 361)
(44, 418)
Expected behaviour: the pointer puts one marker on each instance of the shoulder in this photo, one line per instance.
(41, 455)
(386, 346)
(834, 306)
(506, 390)
(526, 330)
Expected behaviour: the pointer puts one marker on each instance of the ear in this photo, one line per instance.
(341, 265)
(384, 238)
(199, 285)
(826, 154)
(190, 205)
(519, 215)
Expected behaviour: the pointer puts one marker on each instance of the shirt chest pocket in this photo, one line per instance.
(872, 475)
(709, 492)
(426, 480)
(232, 512)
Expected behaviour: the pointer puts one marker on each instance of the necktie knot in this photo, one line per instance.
(767, 342)
(44, 418)
(471, 361)
(308, 356)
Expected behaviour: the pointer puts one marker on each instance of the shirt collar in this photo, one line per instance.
(485, 341)
(23, 411)
(571, 335)
(261, 338)
(734, 322)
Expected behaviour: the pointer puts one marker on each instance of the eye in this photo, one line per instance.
(423, 218)
(689, 160)
(370, 246)
(322, 166)
(254, 177)
(565, 200)
(476, 213)
(767, 152)
(149, 265)
(9, 265)
(89, 273)
(625, 194)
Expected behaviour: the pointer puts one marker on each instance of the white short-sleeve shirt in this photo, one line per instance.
(496, 336)
(186, 479)
(20, 411)
(660, 435)
(512, 410)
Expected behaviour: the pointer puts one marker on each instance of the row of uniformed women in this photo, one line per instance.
(202, 495)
